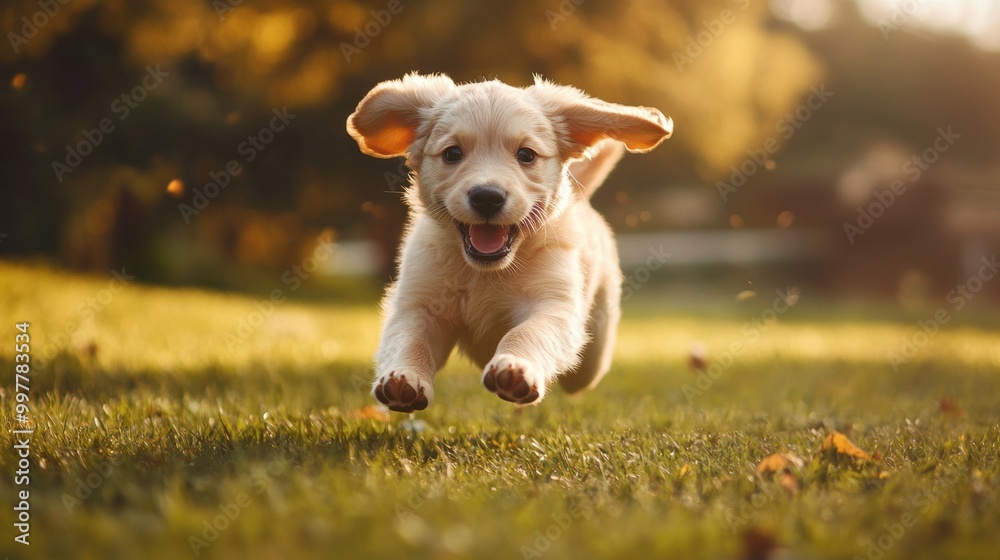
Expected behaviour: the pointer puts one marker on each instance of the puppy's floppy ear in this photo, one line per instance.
(581, 121)
(386, 121)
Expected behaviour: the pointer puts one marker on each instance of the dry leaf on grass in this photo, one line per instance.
(949, 407)
(175, 188)
(745, 295)
(758, 544)
(780, 467)
(684, 471)
(778, 463)
(698, 356)
(839, 444)
(370, 411)
(789, 482)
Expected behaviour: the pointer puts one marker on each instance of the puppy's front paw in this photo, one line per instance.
(402, 392)
(514, 379)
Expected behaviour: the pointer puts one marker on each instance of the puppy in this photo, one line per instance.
(503, 254)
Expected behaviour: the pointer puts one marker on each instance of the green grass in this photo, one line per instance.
(174, 424)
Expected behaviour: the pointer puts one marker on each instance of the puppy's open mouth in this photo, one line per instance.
(487, 242)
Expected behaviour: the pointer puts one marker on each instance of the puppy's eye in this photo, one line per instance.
(453, 154)
(526, 155)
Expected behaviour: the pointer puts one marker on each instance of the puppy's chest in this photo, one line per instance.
(484, 318)
(482, 309)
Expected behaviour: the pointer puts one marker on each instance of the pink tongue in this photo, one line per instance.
(488, 239)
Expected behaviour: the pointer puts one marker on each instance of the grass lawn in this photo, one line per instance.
(165, 412)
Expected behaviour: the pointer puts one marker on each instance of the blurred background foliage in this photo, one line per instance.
(728, 72)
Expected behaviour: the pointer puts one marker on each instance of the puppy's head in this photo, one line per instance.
(491, 160)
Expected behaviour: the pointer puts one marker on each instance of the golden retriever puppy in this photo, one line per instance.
(503, 255)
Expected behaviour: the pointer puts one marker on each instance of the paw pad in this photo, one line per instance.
(399, 395)
(511, 385)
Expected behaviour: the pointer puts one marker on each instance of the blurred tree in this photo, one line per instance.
(718, 67)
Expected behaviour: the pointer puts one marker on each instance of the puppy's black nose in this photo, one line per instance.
(487, 200)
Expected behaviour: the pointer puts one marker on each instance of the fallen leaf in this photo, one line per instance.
(785, 219)
(839, 444)
(698, 356)
(779, 462)
(949, 407)
(745, 295)
(779, 466)
(370, 411)
(758, 544)
(175, 188)
(684, 471)
(789, 482)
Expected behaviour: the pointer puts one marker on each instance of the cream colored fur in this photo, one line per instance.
(548, 309)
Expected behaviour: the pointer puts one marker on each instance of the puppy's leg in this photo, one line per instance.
(418, 334)
(605, 310)
(415, 344)
(533, 353)
(419, 330)
(603, 327)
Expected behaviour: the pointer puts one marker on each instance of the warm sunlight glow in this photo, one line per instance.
(807, 14)
(979, 20)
